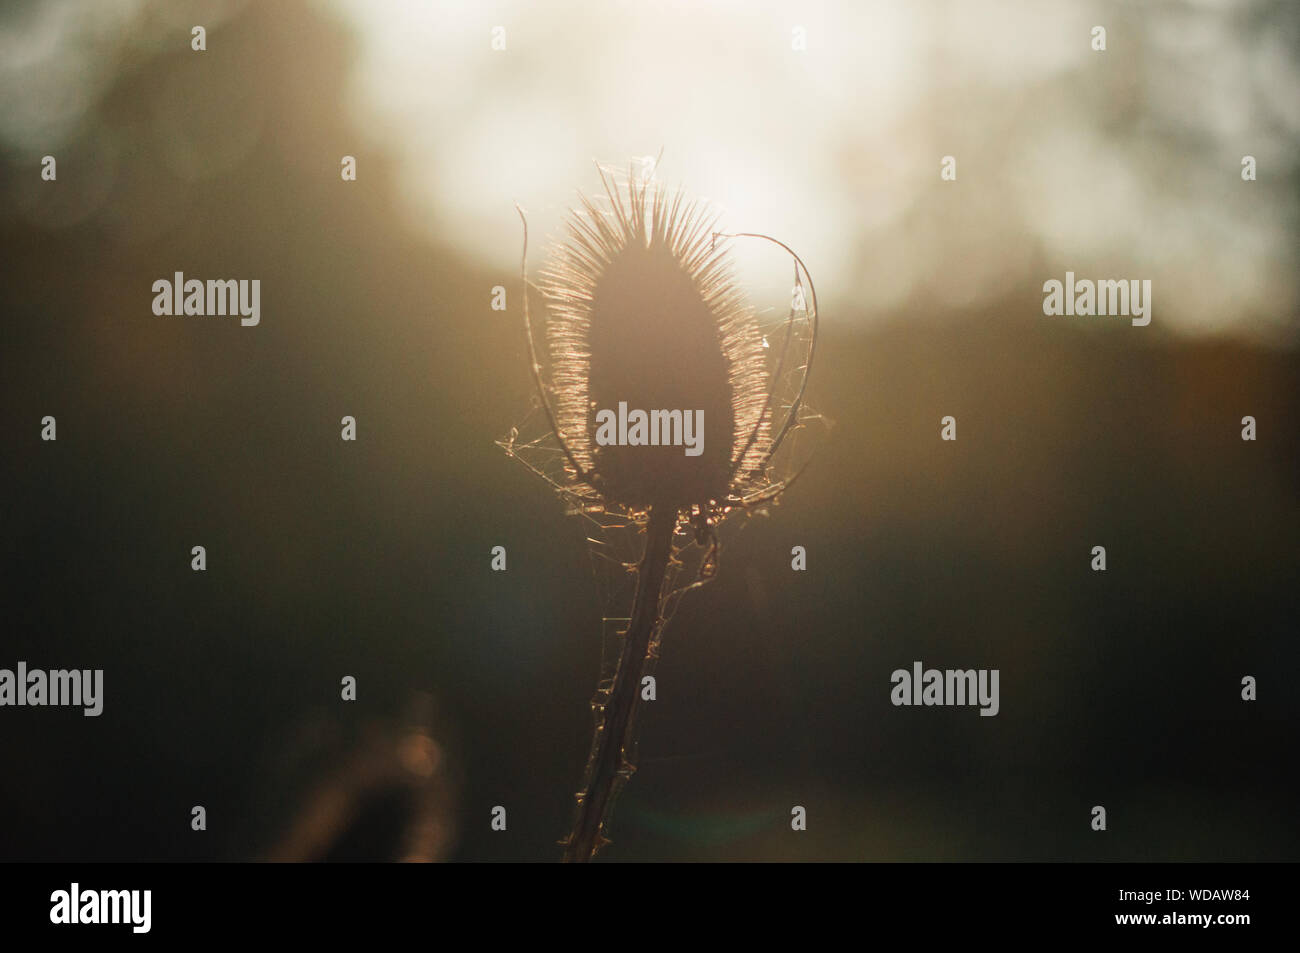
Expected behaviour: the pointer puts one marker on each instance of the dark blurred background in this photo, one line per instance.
(371, 558)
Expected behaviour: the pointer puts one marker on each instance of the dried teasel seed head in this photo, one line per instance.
(645, 311)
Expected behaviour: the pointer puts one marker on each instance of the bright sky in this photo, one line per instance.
(836, 149)
(1119, 164)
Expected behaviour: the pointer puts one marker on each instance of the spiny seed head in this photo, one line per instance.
(644, 310)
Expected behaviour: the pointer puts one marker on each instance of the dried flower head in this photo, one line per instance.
(645, 312)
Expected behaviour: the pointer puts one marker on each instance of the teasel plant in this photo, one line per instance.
(643, 307)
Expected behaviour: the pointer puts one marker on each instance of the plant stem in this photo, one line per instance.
(613, 745)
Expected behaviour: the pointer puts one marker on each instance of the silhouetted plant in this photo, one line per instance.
(644, 309)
